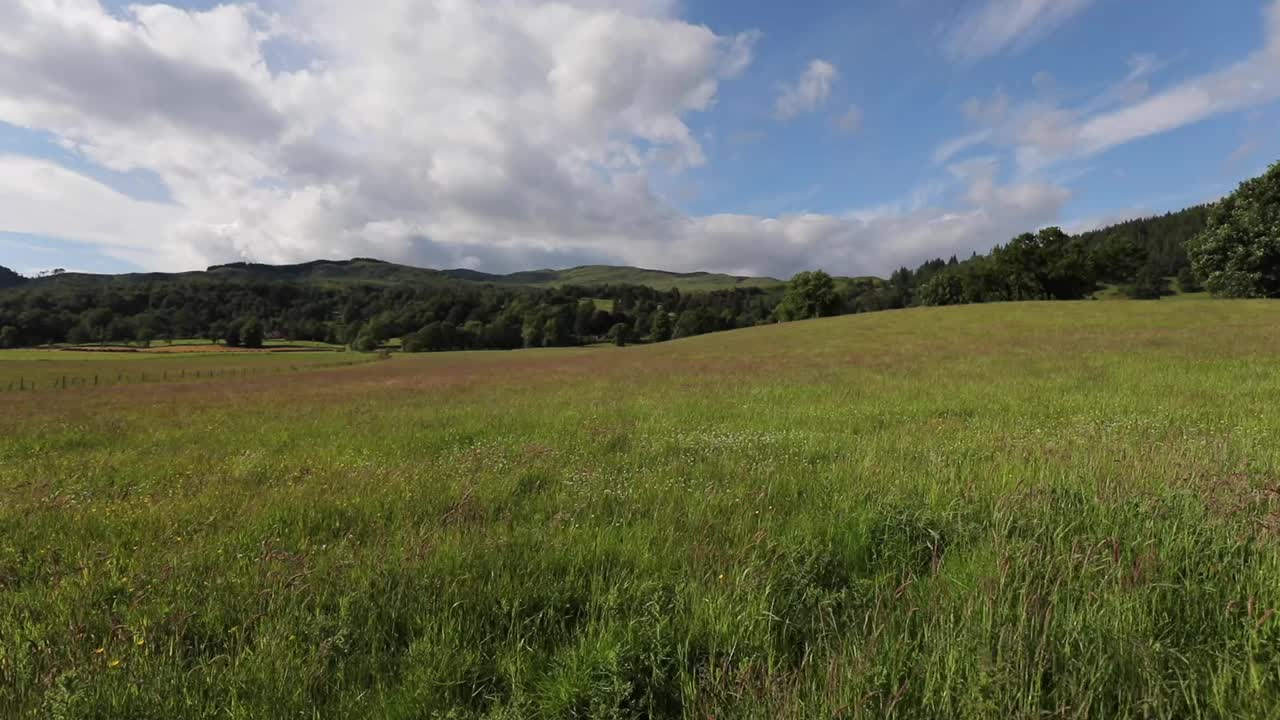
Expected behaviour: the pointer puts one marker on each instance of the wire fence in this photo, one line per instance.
(70, 381)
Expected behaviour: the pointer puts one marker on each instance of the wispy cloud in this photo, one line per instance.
(999, 25)
(1251, 82)
(810, 92)
(954, 147)
(1041, 132)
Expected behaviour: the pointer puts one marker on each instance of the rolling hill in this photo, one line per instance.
(379, 272)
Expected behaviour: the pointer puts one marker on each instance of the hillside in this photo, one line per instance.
(589, 275)
(379, 272)
(1000, 511)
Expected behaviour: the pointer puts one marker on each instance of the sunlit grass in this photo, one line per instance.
(1032, 510)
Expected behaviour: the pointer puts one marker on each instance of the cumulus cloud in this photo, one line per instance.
(499, 134)
(808, 93)
(998, 25)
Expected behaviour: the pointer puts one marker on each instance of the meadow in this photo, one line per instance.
(1036, 510)
(61, 369)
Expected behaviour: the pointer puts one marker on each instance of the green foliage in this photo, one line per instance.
(945, 288)
(662, 328)
(620, 334)
(251, 335)
(231, 334)
(810, 294)
(1187, 280)
(532, 330)
(365, 341)
(1238, 254)
(688, 324)
(1120, 251)
(1149, 284)
(9, 337)
(483, 317)
(9, 278)
(555, 332)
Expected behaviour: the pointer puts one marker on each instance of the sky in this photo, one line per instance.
(760, 138)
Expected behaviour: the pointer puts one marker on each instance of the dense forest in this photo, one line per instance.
(455, 316)
(365, 303)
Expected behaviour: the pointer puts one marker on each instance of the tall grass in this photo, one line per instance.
(1065, 510)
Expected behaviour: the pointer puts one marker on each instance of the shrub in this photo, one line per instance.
(1150, 284)
(1188, 282)
(251, 333)
(619, 334)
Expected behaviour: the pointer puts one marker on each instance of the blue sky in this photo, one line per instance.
(705, 134)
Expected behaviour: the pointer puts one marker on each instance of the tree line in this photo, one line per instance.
(1231, 248)
(366, 316)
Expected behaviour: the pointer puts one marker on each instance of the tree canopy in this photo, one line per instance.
(810, 294)
(1238, 254)
(9, 278)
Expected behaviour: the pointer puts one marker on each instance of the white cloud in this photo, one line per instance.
(502, 134)
(999, 25)
(42, 198)
(808, 93)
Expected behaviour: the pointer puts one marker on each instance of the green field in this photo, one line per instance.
(1039, 510)
(40, 370)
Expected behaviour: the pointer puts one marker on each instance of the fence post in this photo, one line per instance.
(64, 382)
(95, 380)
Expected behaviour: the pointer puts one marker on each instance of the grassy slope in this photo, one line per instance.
(1029, 510)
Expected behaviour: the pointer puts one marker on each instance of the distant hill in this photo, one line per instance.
(356, 270)
(1121, 249)
(620, 275)
(378, 272)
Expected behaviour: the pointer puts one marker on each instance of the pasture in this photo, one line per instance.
(1039, 510)
(61, 369)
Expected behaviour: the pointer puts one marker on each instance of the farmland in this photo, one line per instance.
(1065, 509)
(36, 370)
